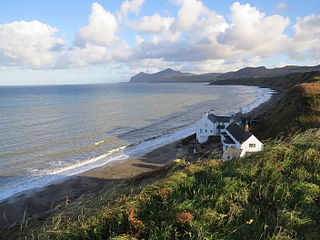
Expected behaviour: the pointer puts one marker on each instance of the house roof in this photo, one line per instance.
(238, 132)
(214, 118)
(228, 140)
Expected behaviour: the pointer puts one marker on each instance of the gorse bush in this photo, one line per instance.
(273, 194)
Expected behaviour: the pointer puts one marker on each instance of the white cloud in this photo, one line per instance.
(152, 24)
(101, 29)
(127, 7)
(254, 32)
(307, 36)
(223, 65)
(188, 14)
(29, 44)
(139, 40)
(282, 7)
(196, 39)
(93, 54)
(151, 66)
(79, 57)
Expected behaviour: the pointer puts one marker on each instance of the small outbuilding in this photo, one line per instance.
(237, 137)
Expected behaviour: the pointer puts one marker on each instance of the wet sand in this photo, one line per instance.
(38, 202)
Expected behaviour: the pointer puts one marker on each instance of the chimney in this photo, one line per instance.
(246, 126)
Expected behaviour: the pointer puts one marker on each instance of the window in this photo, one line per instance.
(200, 130)
(252, 145)
(206, 130)
(210, 130)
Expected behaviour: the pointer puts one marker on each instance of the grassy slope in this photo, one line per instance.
(270, 195)
(298, 110)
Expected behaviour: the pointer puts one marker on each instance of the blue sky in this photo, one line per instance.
(67, 42)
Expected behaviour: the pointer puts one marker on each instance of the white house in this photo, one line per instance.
(236, 141)
(236, 137)
(212, 125)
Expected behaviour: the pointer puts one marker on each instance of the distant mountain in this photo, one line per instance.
(254, 72)
(281, 82)
(169, 75)
(156, 77)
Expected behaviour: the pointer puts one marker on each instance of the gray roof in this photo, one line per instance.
(238, 132)
(228, 140)
(214, 118)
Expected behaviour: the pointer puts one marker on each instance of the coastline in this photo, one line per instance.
(35, 203)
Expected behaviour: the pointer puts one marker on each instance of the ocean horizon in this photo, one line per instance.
(49, 133)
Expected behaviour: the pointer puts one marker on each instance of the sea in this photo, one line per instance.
(48, 133)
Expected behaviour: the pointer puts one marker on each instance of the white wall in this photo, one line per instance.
(205, 128)
(247, 148)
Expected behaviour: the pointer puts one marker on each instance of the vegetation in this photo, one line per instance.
(273, 194)
(297, 111)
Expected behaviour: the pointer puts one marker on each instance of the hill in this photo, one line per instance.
(297, 111)
(284, 82)
(169, 75)
(258, 72)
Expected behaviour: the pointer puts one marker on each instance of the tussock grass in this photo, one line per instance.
(273, 194)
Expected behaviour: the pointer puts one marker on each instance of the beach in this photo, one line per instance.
(34, 203)
(37, 202)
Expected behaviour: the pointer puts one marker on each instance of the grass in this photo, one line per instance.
(273, 194)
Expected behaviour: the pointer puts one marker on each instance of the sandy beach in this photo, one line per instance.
(38, 202)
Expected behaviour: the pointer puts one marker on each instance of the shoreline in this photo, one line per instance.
(122, 152)
(35, 203)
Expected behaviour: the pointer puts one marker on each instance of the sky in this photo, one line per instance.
(103, 41)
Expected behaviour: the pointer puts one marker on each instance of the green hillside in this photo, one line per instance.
(270, 195)
(298, 110)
